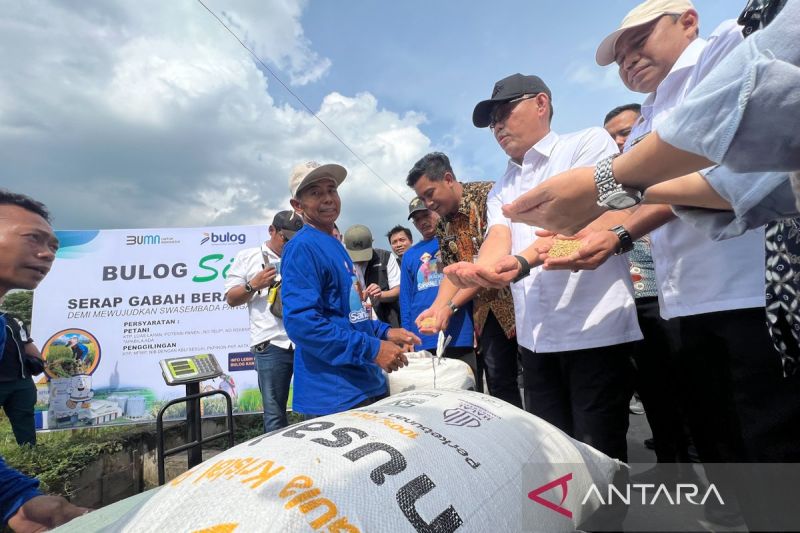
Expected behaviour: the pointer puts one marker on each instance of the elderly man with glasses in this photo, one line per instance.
(575, 330)
(254, 279)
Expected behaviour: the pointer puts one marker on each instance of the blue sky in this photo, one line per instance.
(148, 114)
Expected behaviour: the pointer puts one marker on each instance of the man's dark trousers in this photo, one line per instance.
(657, 381)
(17, 399)
(499, 355)
(585, 393)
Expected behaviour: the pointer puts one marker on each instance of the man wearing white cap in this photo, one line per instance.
(339, 350)
(741, 407)
(254, 280)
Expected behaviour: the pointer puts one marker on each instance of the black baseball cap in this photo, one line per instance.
(288, 222)
(507, 89)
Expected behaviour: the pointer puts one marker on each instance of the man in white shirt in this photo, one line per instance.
(740, 409)
(378, 273)
(575, 330)
(252, 280)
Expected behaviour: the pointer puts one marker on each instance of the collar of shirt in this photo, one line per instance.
(674, 80)
(463, 204)
(542, 149)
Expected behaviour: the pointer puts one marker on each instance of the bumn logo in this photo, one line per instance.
(560, 482)
(133, 240)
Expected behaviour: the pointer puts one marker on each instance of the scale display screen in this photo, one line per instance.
(180, 370)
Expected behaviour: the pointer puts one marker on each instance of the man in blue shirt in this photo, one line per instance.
(339, 350)
(27, 249)
(420, 276)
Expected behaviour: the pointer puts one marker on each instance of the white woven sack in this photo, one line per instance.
(426, 460)
(426, 371)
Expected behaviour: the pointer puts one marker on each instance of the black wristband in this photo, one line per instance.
(524, 268)
(625, 240)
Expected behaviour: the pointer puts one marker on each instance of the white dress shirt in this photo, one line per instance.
(695, 274)
(559, 311)
(264, 326)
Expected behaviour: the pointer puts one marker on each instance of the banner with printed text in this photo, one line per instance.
(116, 302)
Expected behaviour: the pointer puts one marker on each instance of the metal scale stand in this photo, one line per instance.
(190, 371)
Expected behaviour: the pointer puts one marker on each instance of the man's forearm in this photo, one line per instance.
(496, 246)
(447, 290)
(690, 190)
(609, 219)
(391, 295)
(237, 296)
(464, 296)
(647, 218)
(653, 161)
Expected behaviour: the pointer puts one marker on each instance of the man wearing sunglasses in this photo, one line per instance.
(575, 330)
(251, 280)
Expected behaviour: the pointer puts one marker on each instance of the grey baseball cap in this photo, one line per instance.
(358, 241)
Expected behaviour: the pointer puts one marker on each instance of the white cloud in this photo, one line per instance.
(148, 114)
(593, 77)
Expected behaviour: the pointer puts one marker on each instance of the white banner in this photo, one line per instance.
(118, 301)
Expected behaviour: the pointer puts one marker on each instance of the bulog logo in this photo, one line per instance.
(223, 238)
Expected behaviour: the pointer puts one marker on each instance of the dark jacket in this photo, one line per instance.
(12, 363)
(376, 272)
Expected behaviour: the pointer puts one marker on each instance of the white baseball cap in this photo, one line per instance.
(307, 173)
(639, 16)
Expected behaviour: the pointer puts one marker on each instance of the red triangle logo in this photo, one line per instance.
(560, 482)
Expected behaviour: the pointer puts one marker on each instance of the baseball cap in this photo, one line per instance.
(288, 222)
(417, 204)
(507, 89)
(307, 173)
(358, 241)
(639, 16)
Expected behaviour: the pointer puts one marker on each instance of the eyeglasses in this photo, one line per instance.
(501, 112)
(283, 236)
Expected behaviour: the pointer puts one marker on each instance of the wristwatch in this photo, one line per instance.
(524, 268)
(625, 240)
(453, 307)
(610, 194)
(248, 287)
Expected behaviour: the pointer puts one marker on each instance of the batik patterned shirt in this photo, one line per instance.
(460, 237)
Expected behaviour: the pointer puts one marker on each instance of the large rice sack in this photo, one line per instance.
(426, 460)
(426, 371)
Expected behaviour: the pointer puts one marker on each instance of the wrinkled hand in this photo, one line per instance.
(43, 513)
(596, 248)
(564, 203)
(264, 278)
(437, 320)
(467, 275)
(403, 338)
(390, 357)
(373, 293)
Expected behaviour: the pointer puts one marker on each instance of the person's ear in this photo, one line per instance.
(690, 22)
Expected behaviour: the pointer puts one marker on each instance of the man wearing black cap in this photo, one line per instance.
(252, 280)
(575, 330)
